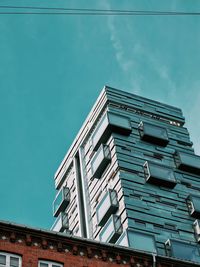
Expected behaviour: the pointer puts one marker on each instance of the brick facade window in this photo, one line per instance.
(10, 260)
(49, 264)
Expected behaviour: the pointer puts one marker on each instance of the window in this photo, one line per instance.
(49, 264)
(112, 230)
(193, 203)
(153, 133)
(10, 260)
(61, 201)
(187, 162)
(138, 240)
(100, 161)
(110, 122)
(159, 174)
(182, 250)
(62, 223)
(107, 206)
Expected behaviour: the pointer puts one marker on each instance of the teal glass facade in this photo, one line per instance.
(152, 167)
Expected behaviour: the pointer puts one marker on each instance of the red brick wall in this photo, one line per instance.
(32, 254)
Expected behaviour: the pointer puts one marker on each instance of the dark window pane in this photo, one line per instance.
(2, 259)
(187, 162)
(153, 133)
(14, 262)
(159, 174)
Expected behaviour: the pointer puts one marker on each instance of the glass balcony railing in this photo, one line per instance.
(110, 122)
(107, 206)
(62, 223)
(61, 201)
(183, 250)
(187, 162)
(159, 174)
(111, 230)
(153, 133)
(100, 161)
(193, 203)
(138, 240)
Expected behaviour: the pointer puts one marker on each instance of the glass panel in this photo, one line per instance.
(54, 265)
(100, 161)
(110, 232)
(192, 160)
(153, 133)
(123, 240)
(142, 241)
(159, 175)
(107, 231)
(98, 135)
(42, 264)
(184, 251)
(110, 122)
(103, 206)
(58, 200)
(118, 120)
(3, 259)
(187, 162)
(156, 131)
(61, 201)
(14, 262)
(106, 207)
(193, 203)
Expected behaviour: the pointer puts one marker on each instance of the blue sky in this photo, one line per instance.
(52, 70)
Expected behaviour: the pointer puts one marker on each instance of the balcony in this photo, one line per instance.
(61, 201)
(62, 223)
(193, 203)
(138, 240)
(100, 161)
(196, 226)
(110, 122)
(153, 134)
(187, 162)
(107, 206)
(159, 175)
(182, 250)
(112, 230)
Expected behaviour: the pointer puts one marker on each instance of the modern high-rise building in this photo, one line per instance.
(131, 177)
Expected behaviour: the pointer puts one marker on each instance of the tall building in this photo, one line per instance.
(131, 177)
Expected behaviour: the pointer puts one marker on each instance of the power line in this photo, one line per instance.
(91, 12)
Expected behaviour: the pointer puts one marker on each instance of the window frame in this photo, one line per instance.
(8, 256)
(50, 263)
